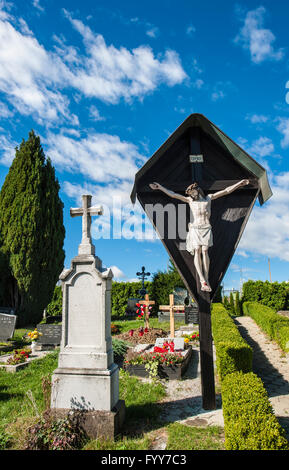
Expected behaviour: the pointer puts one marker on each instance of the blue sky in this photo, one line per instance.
(104, 84)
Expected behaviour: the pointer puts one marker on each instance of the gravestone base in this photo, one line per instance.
(99, 423)
(85, 389)
(46, 347)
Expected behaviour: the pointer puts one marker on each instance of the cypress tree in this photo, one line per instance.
(31, 232)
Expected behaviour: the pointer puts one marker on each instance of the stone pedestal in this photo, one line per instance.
(87, 378)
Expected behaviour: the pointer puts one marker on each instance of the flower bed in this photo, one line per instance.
(165, 364)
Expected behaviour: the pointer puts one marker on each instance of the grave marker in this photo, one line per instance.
(7, 326)
(147, 302)
(51, 334)
(87, 379)
(171, 308)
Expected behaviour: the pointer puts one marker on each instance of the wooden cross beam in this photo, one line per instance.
(86, 211)
(147, 302)
(171, 308)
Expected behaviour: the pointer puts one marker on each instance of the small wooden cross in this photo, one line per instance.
(171, 308)
(86, 211)
(147, 302)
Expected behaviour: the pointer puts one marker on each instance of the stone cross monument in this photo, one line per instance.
(87, 378)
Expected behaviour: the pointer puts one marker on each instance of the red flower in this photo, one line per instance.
(130, 332)
(138, 305)
(146, 330)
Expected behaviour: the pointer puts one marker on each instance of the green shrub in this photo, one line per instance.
(274, 325)
(248, 416)
(55, 306)
(232, 352)
(272, 294)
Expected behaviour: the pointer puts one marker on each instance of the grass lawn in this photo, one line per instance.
(24, 396)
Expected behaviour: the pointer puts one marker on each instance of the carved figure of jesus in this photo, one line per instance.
(199, 236)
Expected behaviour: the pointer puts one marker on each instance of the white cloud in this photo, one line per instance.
(100, 157)
(94, 114)
(7, 150)
(257, 118)
(258, 40)
(36, 4)
(283, 128)
(267, 231)
(110, 74)
(34, 80)
(262, 147)
(190, 30)
(153, 32)
(117, 273)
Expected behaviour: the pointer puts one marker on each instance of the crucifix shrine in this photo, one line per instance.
(198, 190)
(143, 275)
(171, 308)
(86, 211)
(147, 302)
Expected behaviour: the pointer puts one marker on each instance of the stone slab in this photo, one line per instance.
(7, 326)
(51, 334)
(178, 342)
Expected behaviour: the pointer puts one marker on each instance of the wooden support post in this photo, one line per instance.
(172, 317)
(206, 351)
(147, 302)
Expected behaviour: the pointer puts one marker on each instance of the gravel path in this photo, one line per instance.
(271, 365)
(183, 402)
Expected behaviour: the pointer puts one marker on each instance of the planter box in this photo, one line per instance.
(173, 372)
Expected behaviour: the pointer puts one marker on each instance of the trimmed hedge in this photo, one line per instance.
(274, 325)
(232, 352)
(122, 291)
(250, 423)
(272, 294)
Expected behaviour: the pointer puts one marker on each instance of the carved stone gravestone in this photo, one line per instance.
(87, 378)
(50, 336)
(7, 326)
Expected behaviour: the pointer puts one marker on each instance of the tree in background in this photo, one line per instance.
(163, 284)
(31, 232)
(238, 307)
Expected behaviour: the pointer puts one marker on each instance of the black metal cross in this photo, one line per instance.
(143, 275)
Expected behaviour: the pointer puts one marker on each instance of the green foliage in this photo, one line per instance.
(5, 439)
(32, 232)
(272, 294)
(164, 283)
(121, 292)
(274, 325)
(232, 304)
(51, 433)
(249, 420)
(232, 352)
(159, 289)
(119, 347)
(55, 306)
(238, 307)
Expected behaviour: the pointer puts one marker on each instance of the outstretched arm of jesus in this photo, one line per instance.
(168, 192)
(229, 189)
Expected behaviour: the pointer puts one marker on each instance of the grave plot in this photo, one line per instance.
(9, 367)
(168, 358)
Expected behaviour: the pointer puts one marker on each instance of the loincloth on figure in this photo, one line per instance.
(198, 236)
